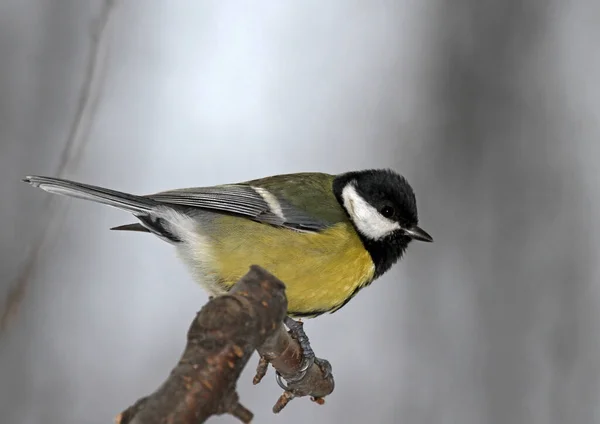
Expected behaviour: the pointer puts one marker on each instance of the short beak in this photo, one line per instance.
(417, 233)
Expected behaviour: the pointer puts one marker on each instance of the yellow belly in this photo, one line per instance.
(320, 270)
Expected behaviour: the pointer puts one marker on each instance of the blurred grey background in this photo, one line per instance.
(491, 109)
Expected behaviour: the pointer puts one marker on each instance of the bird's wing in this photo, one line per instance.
(306, 205)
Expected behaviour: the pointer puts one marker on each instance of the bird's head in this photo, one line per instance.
(382, 206)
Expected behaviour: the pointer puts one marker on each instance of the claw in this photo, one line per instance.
(282, 383)
(308, 355)
(324, 366)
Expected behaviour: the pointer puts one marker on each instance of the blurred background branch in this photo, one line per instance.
(90, 94)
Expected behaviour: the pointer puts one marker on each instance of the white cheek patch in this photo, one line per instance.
(367, 219)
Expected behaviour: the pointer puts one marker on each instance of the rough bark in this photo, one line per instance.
(220, 341)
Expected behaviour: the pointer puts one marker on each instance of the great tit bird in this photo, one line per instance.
(325, 236)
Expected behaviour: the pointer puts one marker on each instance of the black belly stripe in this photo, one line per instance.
(345, 302)
(317, 312)
(308, 314)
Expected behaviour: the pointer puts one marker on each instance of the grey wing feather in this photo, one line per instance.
(242, 200)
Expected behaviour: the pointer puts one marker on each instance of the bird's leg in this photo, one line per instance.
(297, 332)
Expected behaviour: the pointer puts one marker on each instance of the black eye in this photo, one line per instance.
(387, 211)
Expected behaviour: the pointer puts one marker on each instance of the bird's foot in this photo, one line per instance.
(324, 366)
(308, 355)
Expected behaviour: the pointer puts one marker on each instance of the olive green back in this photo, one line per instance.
(311, 192)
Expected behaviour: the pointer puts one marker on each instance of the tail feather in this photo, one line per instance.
(125, 201)
(131, 227)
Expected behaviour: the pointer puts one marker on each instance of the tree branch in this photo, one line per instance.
(220, 341)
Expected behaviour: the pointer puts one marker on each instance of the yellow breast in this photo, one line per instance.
(320, 270)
